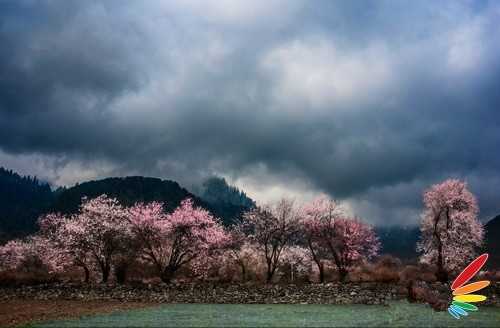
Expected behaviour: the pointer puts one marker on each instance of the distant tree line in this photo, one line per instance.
(22, 200)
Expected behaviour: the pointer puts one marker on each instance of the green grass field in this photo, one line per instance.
(244, 315)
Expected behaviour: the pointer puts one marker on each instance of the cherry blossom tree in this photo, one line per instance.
(30, 253)
(330, 235)
(272, 228)
(317, 216)
(101, 231)
(67, 239)
(240, 250)
(350, 241)
(171, 241)
(297, 261)
(450, 230)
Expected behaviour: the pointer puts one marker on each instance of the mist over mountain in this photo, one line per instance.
(216, 190)
(229, 201)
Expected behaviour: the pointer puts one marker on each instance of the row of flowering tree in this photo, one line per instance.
(320, 230)
(105, 237)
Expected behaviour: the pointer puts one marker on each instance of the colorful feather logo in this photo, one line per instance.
(462, 296)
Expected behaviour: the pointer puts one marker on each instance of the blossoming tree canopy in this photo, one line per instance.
(32, 253)
(94, 236)
(333, 236)
(272, 229)
(317, 215)
(450, 230)
(174, 240)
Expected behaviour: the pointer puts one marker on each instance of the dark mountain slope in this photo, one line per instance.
(22, 200)
(492, 237)
(399, 241)
(130, 190)
(227, 201)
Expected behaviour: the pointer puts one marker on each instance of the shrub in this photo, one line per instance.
(13, 278)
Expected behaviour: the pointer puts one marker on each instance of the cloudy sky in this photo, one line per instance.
(368, 101)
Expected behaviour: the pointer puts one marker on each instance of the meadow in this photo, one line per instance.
(396, 314)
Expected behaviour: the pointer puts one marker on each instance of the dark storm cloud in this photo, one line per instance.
(368, 101)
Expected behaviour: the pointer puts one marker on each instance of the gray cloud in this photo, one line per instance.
(369, 101)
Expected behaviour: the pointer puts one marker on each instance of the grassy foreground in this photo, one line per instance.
(282, 315)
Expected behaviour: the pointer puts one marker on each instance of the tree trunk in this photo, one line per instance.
(269, 276)
(167, 274)
(316, 260)
(243, 272)
(105, 273)
(321, 269)
(441, 275)
(411, 293)
(87, 274)
(342, 274)
(121, 273)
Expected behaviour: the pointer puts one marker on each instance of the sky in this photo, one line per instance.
(370, 102)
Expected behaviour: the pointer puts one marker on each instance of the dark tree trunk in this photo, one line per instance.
(167, 274)
(121, 273)
(342, 274)
(411, 293)
(105, 273)
(316, 260)
(441, 274)
(243, 272)
(87, 274)
(270, 274)
(321, 269)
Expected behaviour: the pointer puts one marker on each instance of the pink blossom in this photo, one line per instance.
(450, 230)
(330, 235)
(171, 241)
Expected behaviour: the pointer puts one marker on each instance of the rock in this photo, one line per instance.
(331, 293)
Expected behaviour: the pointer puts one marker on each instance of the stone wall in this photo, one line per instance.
(331, 293)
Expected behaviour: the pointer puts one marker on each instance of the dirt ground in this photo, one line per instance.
(21, 312)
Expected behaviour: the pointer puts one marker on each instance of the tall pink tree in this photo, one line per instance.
(171, 241)
(272, 229)
(330, 235)
(350, 242)
(317, 216)
(450, 230)
(101, 230)
(67, 239)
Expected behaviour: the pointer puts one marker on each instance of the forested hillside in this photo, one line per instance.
(492, 238)
(227, 201)
(128, 190)
(22, 200)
